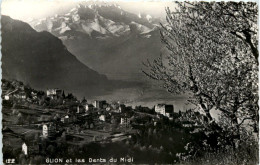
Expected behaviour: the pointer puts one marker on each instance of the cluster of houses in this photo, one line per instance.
(50, 130)
(53, 130)
(104, 111)
(16, 92)
(81, 113)
(81, 107)
(80, 116)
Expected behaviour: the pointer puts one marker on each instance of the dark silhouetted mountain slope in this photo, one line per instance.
(41, 60)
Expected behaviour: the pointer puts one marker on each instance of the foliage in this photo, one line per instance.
(246, 154)
(211, 54)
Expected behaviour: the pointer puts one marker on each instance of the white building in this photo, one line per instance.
(9, 95)
(48, 130)
(122, 108)
(54, 92)
(30, 147)
(81, 109)
(24, 149)
(108, 108)
(102, 117)
(100, 104)
(165, 110)
(6, 97)
(89, 107)
(20, 95)
(125, 121)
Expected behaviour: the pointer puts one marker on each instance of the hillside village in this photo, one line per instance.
(130, 82)
(41, 123)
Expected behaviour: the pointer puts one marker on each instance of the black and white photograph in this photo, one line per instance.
(129, 82)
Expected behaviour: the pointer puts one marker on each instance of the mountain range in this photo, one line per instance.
(106, 38)
(98, 21)
(92, 50)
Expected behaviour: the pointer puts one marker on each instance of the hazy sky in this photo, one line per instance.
(35, 9)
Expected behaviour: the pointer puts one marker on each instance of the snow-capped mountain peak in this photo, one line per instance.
(139, 15)
(96, 21)
(148, 17)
